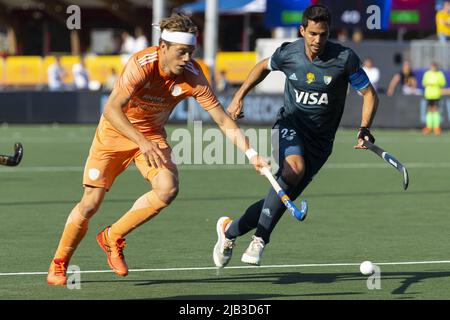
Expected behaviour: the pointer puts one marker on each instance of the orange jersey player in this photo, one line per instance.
(131, 129)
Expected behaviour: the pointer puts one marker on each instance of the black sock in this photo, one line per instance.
(271, 212)
(246, 222)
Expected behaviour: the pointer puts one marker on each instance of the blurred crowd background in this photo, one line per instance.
(39, 52)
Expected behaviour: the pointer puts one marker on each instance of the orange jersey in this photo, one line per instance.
(154, 95)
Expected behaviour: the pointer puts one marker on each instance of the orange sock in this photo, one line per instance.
(74, 230)
(145, 208)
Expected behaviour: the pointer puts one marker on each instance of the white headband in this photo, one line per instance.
(186, 38)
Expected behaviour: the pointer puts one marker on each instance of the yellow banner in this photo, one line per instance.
(236, 65)
(24, 70)
(32, 70)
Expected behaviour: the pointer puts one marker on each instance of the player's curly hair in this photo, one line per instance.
(177, 22)
(316, 13)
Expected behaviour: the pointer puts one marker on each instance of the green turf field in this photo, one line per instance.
(358, 211)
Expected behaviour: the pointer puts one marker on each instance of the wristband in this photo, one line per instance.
(250, 153)
(365, 132)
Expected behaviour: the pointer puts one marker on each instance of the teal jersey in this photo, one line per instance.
(315, 92)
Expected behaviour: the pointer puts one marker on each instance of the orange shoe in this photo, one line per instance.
(57, 273)
(114, 252)
(426, 130)
(437, 131)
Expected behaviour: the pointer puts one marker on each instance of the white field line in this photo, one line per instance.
(243, 267)
(359, 165)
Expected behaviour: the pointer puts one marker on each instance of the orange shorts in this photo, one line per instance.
(111, 153)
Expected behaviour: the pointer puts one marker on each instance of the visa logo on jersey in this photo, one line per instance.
(311, 98)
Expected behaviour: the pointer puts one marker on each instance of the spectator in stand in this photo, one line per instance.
(406, 79)
(116, 45)
(357, 35)
(222, 83)
(342, 35)
(443, 22)
(373, 73)
(111, 81)
(141, 40)
(80, 75)
(128, 44)
(433, 81)
(56, 75)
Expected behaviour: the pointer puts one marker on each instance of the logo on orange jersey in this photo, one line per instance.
(94, 174)
(148, 106)
(153, 99)
(176, 90)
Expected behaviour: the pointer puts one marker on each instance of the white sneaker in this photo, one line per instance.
(254, 251)
(224, 247)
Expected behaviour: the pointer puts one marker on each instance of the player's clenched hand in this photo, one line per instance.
(235, 109)
(153, 155)
(364, 134)
(259, 162)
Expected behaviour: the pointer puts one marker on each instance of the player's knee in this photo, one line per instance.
(292, 177)
(88, 208)
(166, 189)
(172, 193)
(90, 203)
(167, 193)
(293, 172)
(165, 185)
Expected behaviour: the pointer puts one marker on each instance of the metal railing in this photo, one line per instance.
(423, 52)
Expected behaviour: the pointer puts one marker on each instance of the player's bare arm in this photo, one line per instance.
(114, 114)
(370, 105)
(235, 134)
(256, 75)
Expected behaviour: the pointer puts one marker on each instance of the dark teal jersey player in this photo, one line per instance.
(317, 76)
(315, 91)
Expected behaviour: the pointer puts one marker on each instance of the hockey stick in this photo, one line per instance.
(389, 159)
(15, 159)
(299, 214)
